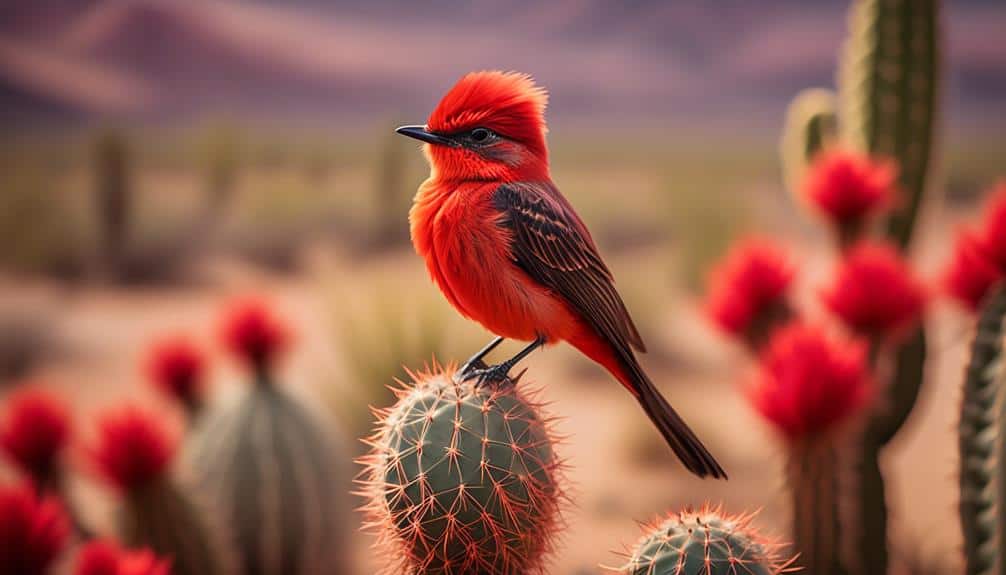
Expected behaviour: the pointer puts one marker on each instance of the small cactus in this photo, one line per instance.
(705, 542)
(273, 470)
(134, 453)
(463, 478)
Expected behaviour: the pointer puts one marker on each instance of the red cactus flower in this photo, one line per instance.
(134, 448)
(144, 562)
(107, 558)
(847, 187)
(33, 530)
(970, 274)
(176, 366)
(253, 332)
(874, 292)
(35, 432)
(809, 383)
(748, 290)
(98, 557)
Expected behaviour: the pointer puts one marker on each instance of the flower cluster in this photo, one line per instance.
(103, 557)
(33, 530)
(253, 333)
(849, 188)
(978, 261)
(134, 448)
(176, 366)
(34, 432)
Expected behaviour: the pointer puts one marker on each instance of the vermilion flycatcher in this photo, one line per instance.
(509, 251)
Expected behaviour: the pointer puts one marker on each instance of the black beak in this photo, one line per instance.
(420, 133)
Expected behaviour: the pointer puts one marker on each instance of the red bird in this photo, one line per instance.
(509, 251)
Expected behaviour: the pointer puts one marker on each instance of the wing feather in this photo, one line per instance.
(553, 246)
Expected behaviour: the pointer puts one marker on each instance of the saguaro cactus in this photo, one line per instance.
(274, 471)
(705, 542)
(462, 478)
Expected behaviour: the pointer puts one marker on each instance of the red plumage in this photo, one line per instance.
(35, 432)
(510, 252)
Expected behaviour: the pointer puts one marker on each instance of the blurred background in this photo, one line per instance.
(159, 157)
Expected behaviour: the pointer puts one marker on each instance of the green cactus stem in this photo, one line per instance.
(813, 475)
(888, 89)
(979, 432)
(462, 478)
(275, 475)
(811, 125)
(161, 516)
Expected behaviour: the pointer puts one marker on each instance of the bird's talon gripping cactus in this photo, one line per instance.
(462, 478)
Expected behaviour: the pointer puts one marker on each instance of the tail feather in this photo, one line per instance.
(682, 440)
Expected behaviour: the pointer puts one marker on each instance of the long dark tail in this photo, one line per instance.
(622, 363)
(682, 440)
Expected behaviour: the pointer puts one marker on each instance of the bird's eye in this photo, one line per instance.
(481, 135)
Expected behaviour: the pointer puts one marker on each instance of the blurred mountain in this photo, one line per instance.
(342, 60)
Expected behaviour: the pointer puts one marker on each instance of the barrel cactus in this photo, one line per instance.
(133, 453)
(273, 470)
(705, 542)
(462, 478)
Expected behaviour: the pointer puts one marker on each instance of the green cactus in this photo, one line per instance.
(112, 182)
(275, 475)
(705, 542)
(811, 125)
(813, 477)
(161, 516)
(981, 487)
(462, 478)
(888, 90)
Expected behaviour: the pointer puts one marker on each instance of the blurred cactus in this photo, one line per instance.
(134, 454)
(220, 163)
(274, 472)
(462, 478)
(889, 92)
(888, 97)
(393, 191)
(982, 487)
(811, 126)
(705, 542)
(113, 196)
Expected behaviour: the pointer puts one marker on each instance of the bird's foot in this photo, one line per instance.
(475, 362)
(495, 376)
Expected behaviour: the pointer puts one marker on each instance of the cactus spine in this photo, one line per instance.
(705, 542)
(462, 478)
(273, 472)
(888, 88)
(981, 444)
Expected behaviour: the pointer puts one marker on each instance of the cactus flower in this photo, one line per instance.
(134, 448)
(848, 188)
(104, 557)
(34, 432)
(874, 292)
(993, 231)
(177, 367)
(809, 383)
(33, 530)
(748, 290)
(253, 333)
(970, 274)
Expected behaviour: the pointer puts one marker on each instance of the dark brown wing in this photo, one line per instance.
(552, 245)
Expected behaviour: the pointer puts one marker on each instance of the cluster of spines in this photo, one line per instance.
(705, 542)
(463, 478)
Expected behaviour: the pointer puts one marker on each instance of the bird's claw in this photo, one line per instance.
(493, 375)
